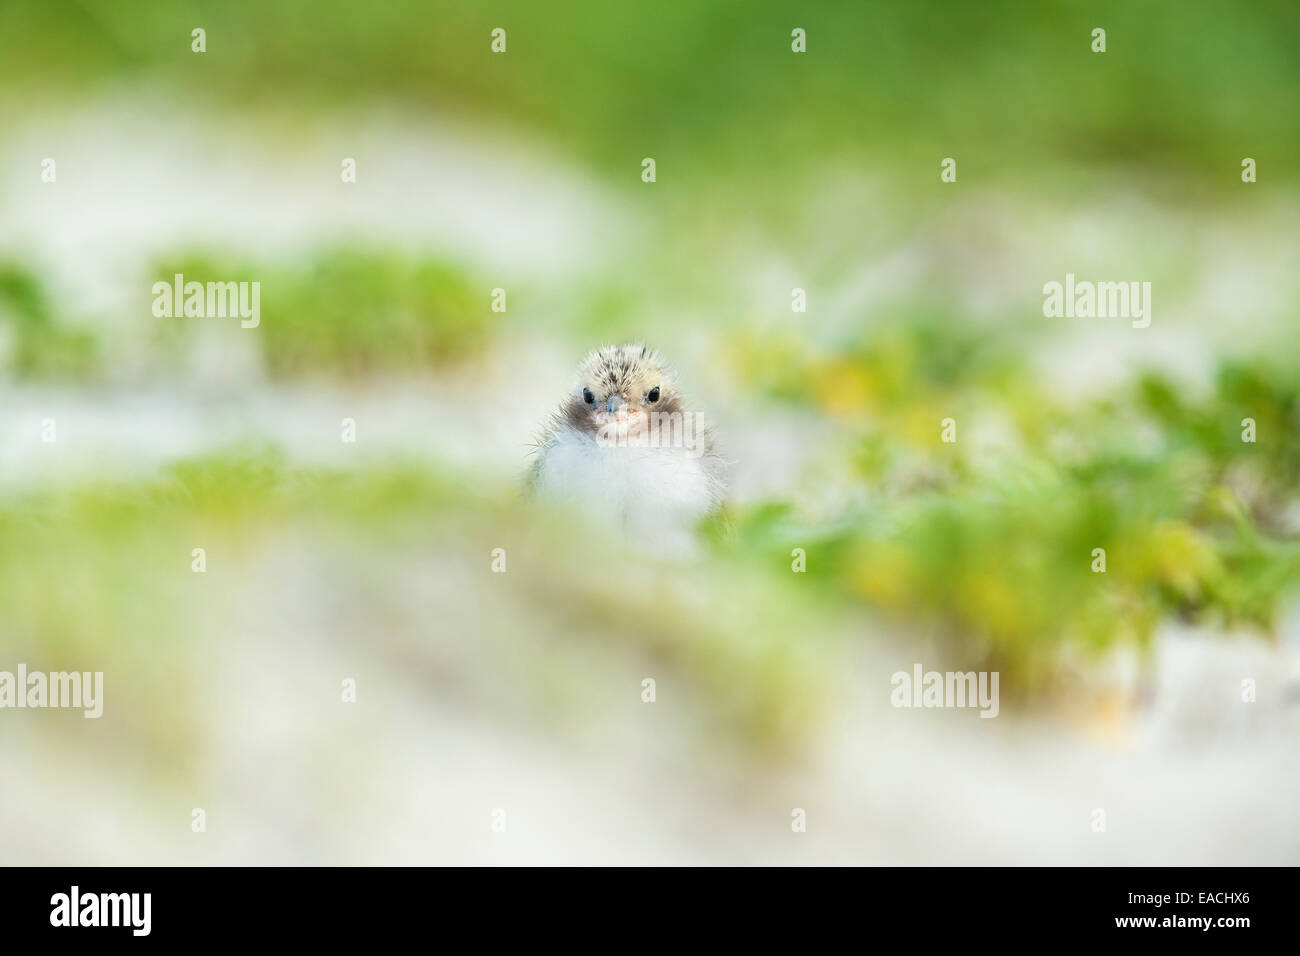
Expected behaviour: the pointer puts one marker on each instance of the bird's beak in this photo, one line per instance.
(612, 404)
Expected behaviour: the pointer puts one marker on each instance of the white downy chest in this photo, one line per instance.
(646, 491)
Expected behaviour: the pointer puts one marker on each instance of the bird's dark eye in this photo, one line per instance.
(587, 397)
(654, 395)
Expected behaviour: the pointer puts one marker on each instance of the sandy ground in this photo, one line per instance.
(413, 771)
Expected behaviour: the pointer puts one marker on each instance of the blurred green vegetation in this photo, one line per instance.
(351, 312)
(119, 552)
(993, 548)
(712, 89)
(335, 312)
(34, 342)
(986, 543)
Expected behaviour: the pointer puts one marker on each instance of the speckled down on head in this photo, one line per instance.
(626, 446)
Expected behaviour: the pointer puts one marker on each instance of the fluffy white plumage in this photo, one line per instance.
(625, 449)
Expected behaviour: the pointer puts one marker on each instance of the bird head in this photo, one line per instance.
(617, 390)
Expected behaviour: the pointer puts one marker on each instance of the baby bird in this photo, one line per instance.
(625, 448)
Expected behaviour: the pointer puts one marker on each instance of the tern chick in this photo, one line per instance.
(626, 449)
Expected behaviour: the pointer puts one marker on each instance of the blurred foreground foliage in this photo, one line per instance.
(391, 561)
(989, 541)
